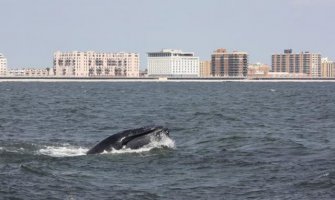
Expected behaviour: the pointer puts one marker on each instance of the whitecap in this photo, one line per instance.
(63, 151)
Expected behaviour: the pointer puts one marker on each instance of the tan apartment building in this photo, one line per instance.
(205, 68)
(92, 64)
(301, 63)
(227, 64)
(327, 68)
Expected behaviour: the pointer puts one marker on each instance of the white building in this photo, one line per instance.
(173, 63)
(3, 65)
(85, 64)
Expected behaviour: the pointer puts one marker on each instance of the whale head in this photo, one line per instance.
(132, 138)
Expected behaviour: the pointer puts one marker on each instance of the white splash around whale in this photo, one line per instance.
(63, 151)
(67, 150)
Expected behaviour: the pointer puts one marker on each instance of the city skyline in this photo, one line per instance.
(33, 30)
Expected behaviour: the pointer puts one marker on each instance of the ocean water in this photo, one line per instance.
(229, 141)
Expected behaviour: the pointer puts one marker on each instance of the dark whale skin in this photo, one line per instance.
(132, 138)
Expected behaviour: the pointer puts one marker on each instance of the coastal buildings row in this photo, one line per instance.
(176, 63)
(81, 64)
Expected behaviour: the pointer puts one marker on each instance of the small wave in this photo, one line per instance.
(20, 150)
(63, 151)
(32, 169)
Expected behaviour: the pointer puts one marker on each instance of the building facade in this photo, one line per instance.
(3, 65)
(92, 64)
(227, 64)
(205, 68)
(173, 63)
(327, 68)
(302, 63)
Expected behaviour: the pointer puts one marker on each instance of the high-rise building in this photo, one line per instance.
(92, 64)
(302, 63)
(327, 68)
(227, 64)
(3, 65)
(173, 63)
(205, 68)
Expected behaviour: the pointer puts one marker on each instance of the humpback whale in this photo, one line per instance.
(132, 138)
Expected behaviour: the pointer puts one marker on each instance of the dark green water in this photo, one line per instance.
(230, 141)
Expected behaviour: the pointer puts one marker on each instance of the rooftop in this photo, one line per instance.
(170, 52)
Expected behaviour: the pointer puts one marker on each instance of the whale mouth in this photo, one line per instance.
(131, 138)
(163, 142)
(166, 130)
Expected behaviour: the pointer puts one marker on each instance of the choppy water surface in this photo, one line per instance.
(230, 141)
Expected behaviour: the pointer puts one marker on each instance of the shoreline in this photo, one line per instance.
(159, 80)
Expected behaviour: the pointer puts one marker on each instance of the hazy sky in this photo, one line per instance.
(31, 30)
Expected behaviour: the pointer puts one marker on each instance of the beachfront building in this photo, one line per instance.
(258, 70)
(301, 63)
(227, 64)
(205, 68)
(327, 68)
(30, 72)
(3, 65)
(173, 63)
(92, 64)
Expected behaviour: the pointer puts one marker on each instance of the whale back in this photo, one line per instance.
(131, 138)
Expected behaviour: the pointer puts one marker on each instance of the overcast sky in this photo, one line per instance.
(31, 30)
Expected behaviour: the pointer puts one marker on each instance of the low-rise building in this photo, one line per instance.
(92, 64)
(205, 69)
(258, 70)
(173, 63)
(30, 72)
